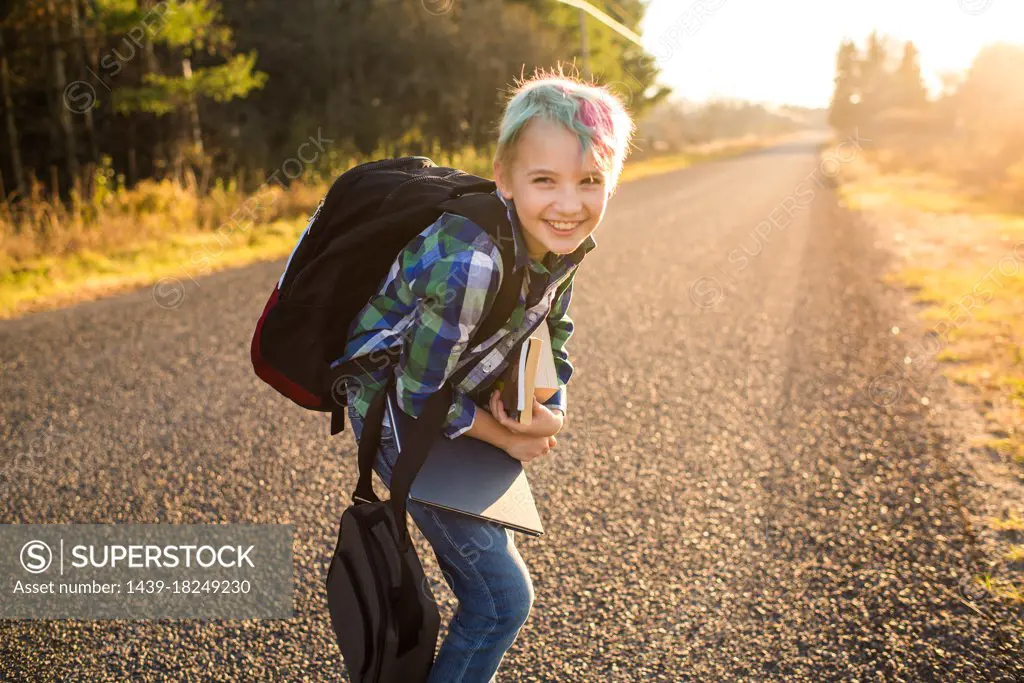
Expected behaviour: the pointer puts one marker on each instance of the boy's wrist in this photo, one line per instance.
(508, 439)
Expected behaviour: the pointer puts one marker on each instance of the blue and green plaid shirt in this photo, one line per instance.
(433, 298)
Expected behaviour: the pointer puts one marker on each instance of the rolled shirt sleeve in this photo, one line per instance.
(557, 400)
(452, 284)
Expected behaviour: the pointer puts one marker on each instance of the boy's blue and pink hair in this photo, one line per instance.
(594, 113)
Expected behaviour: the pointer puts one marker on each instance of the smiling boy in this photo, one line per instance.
(561, 147)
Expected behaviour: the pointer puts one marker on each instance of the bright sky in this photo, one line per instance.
(783, 51)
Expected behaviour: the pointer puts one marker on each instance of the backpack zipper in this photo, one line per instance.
(412, 180)
(305, 234)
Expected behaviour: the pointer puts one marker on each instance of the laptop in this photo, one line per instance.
(469, 476)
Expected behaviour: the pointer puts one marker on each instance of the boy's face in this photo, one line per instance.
(560, 196)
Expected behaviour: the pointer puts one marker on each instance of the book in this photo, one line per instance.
(530, 374)
(546, 383)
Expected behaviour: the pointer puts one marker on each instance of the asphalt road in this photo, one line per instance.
(736, 496)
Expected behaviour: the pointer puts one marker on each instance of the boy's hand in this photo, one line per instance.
(545, 421)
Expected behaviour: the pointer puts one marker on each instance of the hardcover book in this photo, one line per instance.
(532, 373)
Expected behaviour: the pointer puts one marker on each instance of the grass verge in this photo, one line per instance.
(54, 282)
(961, 260)
(963, 264)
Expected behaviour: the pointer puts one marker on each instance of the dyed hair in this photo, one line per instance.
(593, 113)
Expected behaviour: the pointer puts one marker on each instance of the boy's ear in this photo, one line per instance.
(499, 180)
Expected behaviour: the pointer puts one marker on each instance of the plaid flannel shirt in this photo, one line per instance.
(433, 297)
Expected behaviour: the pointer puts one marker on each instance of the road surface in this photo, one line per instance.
(736, 496)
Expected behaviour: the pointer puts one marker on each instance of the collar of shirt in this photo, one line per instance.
(551, 260)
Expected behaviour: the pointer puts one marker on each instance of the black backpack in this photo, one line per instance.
(369, 214)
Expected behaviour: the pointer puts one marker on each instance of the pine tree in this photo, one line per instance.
(191, 29)
(372, 76)
(874, 81)
(10, 124)
(909, 90)
(80, 49)
(844, 111)
(63, 127)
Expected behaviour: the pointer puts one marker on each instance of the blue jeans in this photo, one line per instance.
(480, 563)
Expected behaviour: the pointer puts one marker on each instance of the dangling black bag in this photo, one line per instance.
(382, 610)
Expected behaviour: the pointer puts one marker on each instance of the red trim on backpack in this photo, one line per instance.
(269, 374)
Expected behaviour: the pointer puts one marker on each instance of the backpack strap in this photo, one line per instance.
(490, 213)
(414, 453)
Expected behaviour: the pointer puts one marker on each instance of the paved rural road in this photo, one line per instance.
(728, 502)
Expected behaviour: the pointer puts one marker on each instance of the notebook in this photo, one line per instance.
(469, 476)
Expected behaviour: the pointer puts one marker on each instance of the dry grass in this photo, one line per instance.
(1002, 588)
(1009, 523)
(56, 255)
(1004, 585)
(116, 219)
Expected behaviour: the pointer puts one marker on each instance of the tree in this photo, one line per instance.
(988, 105)
(843, 112)
(80, 49)
(172, 86)
(874, 80)
(872, 89)
(10, 122)
(615, 60)
(908, 87)
(63, 127)
(190, 28)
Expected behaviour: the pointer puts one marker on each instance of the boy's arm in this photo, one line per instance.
(560, 326)
(452, 284)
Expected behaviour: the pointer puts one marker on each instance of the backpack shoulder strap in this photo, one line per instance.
(490, 213)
